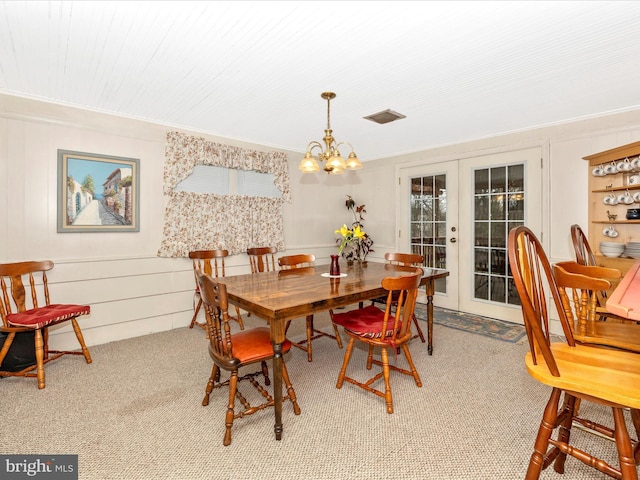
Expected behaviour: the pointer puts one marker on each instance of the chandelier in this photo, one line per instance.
(334, 163)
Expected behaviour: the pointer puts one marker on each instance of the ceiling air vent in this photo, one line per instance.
(385, 116)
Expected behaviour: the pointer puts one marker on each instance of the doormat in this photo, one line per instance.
(489, 327)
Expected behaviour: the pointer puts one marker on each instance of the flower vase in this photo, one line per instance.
(334, 269)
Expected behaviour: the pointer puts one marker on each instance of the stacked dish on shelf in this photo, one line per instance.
(612, 249)
(632, 250)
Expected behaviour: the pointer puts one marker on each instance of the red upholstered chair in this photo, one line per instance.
(302, 261)
(210, 262)
(22, 313)
(406, 260)
(388, 329)
(234, 351)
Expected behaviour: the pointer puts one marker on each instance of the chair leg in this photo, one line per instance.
(388, 398)
(337, 335)
(345, 362)
(635, 417)
(309, 335)
(568, 410)
(290, 391)
(195, 313)
(623, 444)
(233, 386)
(80, 337)
(239, 317)
(6, 346)
(265, 373)
(45, 343)
(544, 434)
(301, 345)
(412, 367)
(420, 334)
(215, 372)
(370, 357)
(39, 343)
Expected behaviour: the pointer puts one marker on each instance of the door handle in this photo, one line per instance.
(453, 240)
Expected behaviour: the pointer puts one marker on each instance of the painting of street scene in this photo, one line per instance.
(97, 193)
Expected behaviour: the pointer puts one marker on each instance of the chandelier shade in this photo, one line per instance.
(334, 163)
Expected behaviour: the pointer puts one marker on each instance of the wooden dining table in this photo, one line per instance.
(284, 295)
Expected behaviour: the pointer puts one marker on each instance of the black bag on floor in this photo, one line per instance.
(21, 354)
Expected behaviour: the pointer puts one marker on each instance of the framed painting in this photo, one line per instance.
(98, 193)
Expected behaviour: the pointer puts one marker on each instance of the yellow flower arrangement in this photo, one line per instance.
(349, 236)
(354, 244)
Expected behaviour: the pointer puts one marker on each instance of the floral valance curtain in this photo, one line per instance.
(196, 221)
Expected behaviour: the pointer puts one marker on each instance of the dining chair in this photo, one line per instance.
(22, 310)
(584, 256)
(575, 371)
(578, 287)
(405, 260)
(234, 351)
(289, 262)
(581, 246)
(262, 259)
(388, 329)
(210, 262)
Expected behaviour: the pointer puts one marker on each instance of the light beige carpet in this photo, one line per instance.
(135, 413)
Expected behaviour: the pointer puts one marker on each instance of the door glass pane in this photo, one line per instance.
(482, 207)
(481, 182)
(482, 260)
(499, 202)
(428, 222)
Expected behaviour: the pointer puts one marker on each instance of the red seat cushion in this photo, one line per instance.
(365, 322)
(255, 345)
(44, 316)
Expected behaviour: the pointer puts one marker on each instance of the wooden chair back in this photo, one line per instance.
(581, 247)
(404, 259)
(210, 262)
(584, 256)
(262, 259)
(579, 287)
(296, 261)
(535, 283)
(578, 290)
(15, 299)
(216, 305)
(402, 293)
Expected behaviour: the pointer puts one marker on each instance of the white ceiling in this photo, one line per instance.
(254, 71)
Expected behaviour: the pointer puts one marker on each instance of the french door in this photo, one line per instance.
(458, 215)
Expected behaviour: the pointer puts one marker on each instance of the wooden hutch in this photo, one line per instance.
(599, 212)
